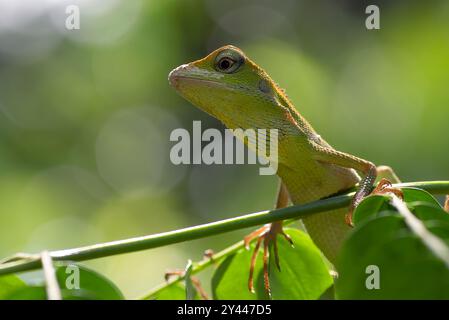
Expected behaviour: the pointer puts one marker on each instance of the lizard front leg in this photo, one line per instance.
(266, 235)
(369, 170)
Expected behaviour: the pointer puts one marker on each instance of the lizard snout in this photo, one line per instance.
(175, 74)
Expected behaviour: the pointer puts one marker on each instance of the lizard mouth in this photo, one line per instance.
(187, 73)
(177, 80)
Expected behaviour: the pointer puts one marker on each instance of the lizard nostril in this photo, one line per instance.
(173, 77)
(173, 82)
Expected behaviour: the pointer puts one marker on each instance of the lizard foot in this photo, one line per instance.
(383, 187)
(267, 234)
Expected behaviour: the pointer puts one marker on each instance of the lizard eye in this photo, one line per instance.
(228, 62)
(225, 63)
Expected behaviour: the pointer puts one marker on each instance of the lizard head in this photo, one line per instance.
(230, 87)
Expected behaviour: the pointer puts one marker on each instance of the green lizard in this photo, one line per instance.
(232, 88)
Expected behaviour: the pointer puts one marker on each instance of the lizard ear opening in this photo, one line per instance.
(228, 61)
(264, 86)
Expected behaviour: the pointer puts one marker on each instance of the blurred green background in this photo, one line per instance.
(85, 115)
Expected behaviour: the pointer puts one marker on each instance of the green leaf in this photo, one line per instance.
(439, 228)
(303, 274)
(419, 195)
(28, 293)
(370, 207)
(9, 284)
(427, 212)
(230, 280)
(404, 265)
(92, 285)
(407, 269)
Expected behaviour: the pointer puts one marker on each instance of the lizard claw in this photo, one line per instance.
(384, 186)
(348, 218)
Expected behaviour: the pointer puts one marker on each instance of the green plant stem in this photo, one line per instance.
(201, 231)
